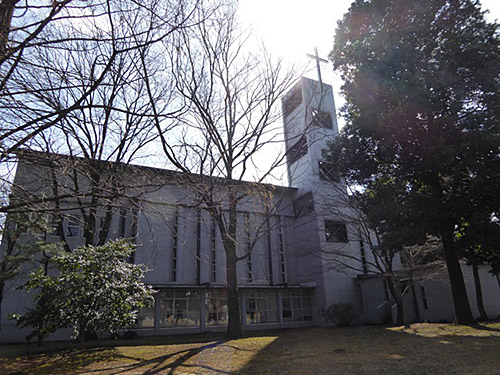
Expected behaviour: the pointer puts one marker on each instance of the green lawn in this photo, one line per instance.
(418, 349)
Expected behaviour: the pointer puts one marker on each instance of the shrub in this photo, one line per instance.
(130, 335)
(341, 314)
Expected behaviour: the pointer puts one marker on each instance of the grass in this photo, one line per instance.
(416, 349)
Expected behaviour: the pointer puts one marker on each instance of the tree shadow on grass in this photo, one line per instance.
(484, 327)
(61, 362)
(143, 355)
(162, 364)
(376, 350)
(89, 361)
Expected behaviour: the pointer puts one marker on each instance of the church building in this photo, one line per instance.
(291, 237)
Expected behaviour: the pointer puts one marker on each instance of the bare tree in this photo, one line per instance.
(71, 84)
(400, 267)
(65, 31)
(233, 99)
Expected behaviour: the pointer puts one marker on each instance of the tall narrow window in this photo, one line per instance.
(122, 223)
(363, 254)
(248, 246)
(297, 150)
(134, 224)
(281, 252)
(269, 251)
(174, 247)
(133, 230)
(386, 291)
(424, 298)
(213, 252)
(198, 247)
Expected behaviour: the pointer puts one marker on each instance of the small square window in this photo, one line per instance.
(335, 231)
(303, 205)
(321, 118)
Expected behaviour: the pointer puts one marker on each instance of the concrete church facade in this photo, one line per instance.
(287, 279)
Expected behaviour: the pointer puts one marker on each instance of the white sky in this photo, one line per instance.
(292, 28)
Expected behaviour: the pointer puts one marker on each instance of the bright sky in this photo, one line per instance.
(292, 28)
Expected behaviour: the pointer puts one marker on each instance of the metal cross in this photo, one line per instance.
(318, 60)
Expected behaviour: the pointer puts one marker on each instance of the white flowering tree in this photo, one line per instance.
(96, 290)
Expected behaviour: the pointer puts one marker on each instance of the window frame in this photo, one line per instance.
(293, 101)
(321, 119)
(73, 222)
(327, 172)
(303, 205)
(332, 228)
(297, 150)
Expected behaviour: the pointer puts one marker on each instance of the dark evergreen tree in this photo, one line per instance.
(422, 89)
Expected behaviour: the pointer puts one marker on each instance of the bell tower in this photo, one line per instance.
(310, 122)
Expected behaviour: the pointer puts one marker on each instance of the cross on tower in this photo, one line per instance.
(318, 60)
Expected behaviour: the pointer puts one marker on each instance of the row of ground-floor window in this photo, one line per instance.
(203, 309)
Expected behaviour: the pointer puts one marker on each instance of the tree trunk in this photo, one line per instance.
(479, 292)
(233, 297)
(415, 302)
(6, 12)
(81, 337)
(400, 319)
(229, 241)
(2, 283)
(398, 299)
(463, 313)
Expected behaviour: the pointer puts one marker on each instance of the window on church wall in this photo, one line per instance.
(386, 290)
(248, 246)
(213, 251)
(134, 224)
(122, 223)
(292, 102)
(297, 150)
(216, 309)
(321, 119)
(327, 172)
(145, 318)
(261, 307)
(296, 305)
(363, 256)
(281, 253)
(198, 246)
(72, 226)
(335, 231)
(36, 223)
(424, 298)
(303, 205)
(32, 223)
(179, 308)
(173, 260)
(53, 226)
